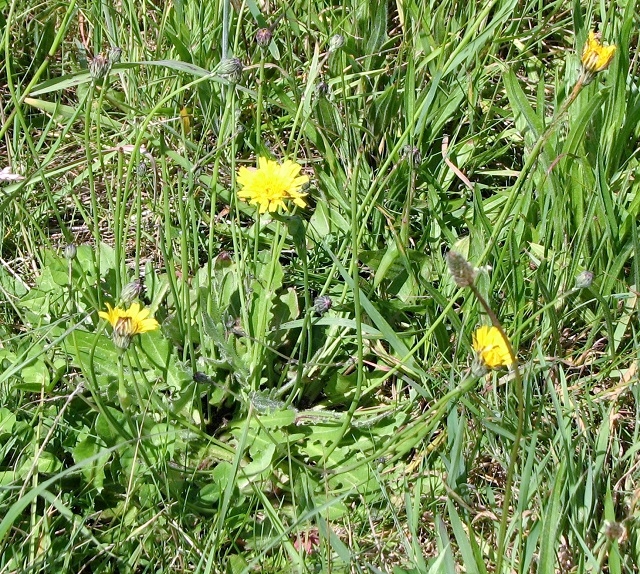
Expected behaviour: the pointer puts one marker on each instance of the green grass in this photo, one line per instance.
(251, 433)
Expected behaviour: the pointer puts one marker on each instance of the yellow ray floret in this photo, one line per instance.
(129, 322)
(595, 56)
(272, 184)
(491, 347)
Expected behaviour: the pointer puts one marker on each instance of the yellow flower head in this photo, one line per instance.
(127, 323)
(271, 184)
(491, 347)
(595, 56)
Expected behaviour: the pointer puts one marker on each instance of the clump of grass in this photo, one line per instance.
(312, 398)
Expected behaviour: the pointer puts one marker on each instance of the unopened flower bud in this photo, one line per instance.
(411, 154)
(322, 304)
(322, 88)
(462, 272)
(99, 67)
(122, 332)
(70, 251)
(131, 291)
(201, 378)
(115, 54)
(141, 168)
(231, 69)
(615, 531)
(335, 43)
(263, 37)
(584, 280)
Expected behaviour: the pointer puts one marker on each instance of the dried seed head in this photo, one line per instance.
(463, 274)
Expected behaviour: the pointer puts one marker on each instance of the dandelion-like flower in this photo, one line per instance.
(272, 184)
(127, 323)
(595, 57)
(491, 347)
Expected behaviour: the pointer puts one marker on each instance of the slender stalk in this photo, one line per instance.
(520, 427)
(519, 388)
(259, 102)
(355, 275)
(531, 161)
(62, 30)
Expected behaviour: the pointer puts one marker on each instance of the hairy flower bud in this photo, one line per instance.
(322, 88)
(99, 67)
(231, 69)
(115, 54)
(263, 37)
(584, 280)
(131, 291)
(322, 304)
(463, 274)
(335, 43)
(70, 251)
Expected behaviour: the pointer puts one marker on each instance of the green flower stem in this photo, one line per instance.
(95, 225)
(259, 102)
(300, 347)
(256, 236)
(263, 317)
(306, 331)
(185, 292)
(119, 223)
(70, 290)
(498, 228)
(123, 394)
(514, 194)
(520, 428)
(8, 50)
(355, 276)
(89, 370)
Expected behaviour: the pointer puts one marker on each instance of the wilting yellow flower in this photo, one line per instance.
(595, 56)
(271, 184)
(491, 347)
(128, 322)
(186, 120)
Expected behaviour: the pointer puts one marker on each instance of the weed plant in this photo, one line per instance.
(307, 389)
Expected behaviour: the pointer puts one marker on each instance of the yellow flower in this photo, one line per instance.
(595, 56)
(129, 322)
(491, 347)
(271, 184)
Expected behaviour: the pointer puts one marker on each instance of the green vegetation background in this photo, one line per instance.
(254, 431)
